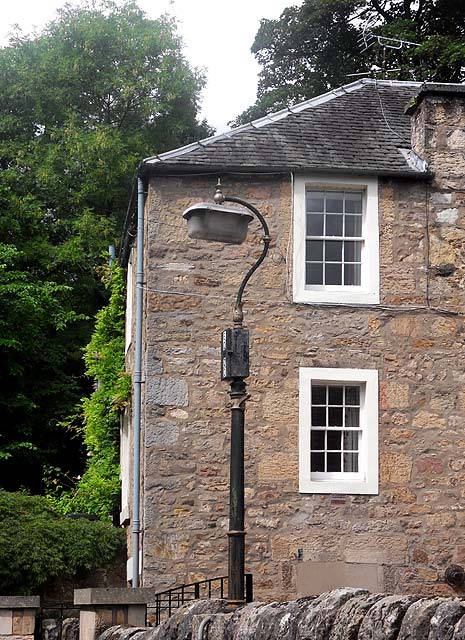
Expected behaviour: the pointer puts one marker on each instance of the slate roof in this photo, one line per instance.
(358, 128)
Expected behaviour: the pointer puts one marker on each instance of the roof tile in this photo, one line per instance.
(358, 128)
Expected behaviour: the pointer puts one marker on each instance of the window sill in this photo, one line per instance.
(353, 487)
(336, 297)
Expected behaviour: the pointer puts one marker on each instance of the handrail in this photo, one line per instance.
(191, 584)
(171, 599)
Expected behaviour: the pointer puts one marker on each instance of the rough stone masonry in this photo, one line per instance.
(343, 614)
(407, 535)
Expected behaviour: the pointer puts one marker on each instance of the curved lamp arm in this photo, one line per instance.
(219, 198)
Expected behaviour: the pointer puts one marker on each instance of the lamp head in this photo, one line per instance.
(216, 222)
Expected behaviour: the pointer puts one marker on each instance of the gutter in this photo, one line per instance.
(171, 170)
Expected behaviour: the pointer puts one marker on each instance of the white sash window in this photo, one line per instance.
(336, 242)
(338, 427)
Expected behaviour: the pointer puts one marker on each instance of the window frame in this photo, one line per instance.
(368, 291)
(366, 481)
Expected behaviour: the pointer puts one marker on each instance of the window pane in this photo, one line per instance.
(318, 417)
(354, 202)
(335, 395)
(334, 201)
(334, 225)
(352, 416)
(350, 440)
(334, 440)
(352, 251)
(315, 201)
(313, 273)
(333, 251)
(335, 416)
(351, 462)
(318, 394)
(333, 273)
(353, 274)
(314, 249)
(315, 224)
(353, 226)
(317, 461)
(352, 395)
(317, 440)
(333, 461)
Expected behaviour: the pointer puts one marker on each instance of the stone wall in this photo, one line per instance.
(414, 528)
(61, 590)
(438, 135)
(18, 617)
(344, 614)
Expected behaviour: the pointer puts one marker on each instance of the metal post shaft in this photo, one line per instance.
(236, 533)
(238, 394)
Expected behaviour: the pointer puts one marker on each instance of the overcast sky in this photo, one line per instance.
(218, 35)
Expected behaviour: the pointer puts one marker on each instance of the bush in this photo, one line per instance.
(37, 544)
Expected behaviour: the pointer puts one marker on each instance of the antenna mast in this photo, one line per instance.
(367, 39)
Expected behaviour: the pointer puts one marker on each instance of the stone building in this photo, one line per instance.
(355, 442)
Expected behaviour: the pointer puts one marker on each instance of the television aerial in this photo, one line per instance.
(367, 39)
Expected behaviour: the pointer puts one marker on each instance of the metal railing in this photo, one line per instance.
(57, 611)
(165, 602)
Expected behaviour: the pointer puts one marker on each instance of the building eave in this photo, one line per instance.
(188, 170)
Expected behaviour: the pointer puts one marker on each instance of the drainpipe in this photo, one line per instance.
(112, 252)
(138, 383)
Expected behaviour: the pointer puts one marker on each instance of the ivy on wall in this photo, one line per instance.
(97, 491)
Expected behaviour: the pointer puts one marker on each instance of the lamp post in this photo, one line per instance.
(216, 222)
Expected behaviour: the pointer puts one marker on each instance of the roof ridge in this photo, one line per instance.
(277, 115)
(394, 83)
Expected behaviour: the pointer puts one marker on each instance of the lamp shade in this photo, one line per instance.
(217, 223)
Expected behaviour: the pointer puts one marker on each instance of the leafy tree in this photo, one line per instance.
(80, 103)
(37, 544)
(316, 46)
(36, 359)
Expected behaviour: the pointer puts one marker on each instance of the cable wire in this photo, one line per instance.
(384, 115)
(317, 305)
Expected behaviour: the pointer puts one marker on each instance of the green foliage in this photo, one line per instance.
(81, 103)
(315, 46)
(97, 491)
(35, 359)
(37, 544)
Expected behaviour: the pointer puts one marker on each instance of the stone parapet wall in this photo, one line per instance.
(343, 614)
(101, 608)
(18, 617)
(438, 136)
(438, 133)
(414, 528)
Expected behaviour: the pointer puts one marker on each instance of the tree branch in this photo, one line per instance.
(407, 12)
(357, 16)
(421, 6)
(381, 10)
(125, 112)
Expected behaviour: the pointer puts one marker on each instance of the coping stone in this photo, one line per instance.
(19, 602)
(112, 597)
